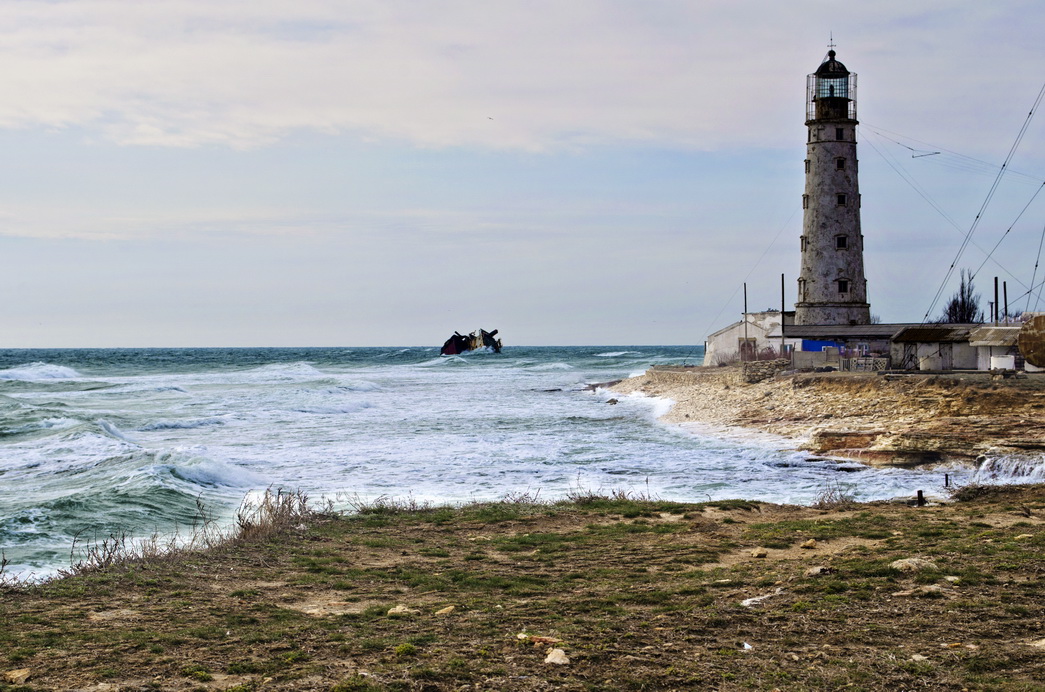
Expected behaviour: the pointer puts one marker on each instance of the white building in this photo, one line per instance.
(756, 336)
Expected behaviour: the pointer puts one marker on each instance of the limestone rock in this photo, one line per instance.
(759, 552)
(818, 571)
(557, 656)
(926, 590)
(445, 611)
(17, 677)
(749, 602)
(912, 564)
(809, 545)
(402, 610)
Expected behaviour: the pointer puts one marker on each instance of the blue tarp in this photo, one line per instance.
(809, 345)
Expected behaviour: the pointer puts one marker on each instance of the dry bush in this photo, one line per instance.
(522, 497)
(384, 504)
(9, 582)
(585, 496)
(274, 512)
(833, 497)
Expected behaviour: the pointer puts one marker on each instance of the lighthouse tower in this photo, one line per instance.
(831, 286)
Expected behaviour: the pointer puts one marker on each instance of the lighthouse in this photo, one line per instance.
(832, 289)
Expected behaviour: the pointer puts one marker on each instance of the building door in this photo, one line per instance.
(747, 349)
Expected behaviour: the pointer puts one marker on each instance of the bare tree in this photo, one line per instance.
(964, 306)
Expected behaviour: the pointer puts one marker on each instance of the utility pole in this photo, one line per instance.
(782, 348)
(746, 342)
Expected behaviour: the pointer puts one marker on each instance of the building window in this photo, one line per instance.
(801, 290)
(839, 134)
(841, 242)
(807, 165)
(805, 201)
(843, 286)
(841, 200)
(802, 241)
(840, 164)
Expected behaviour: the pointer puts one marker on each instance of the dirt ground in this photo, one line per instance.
(635, 594)
(891, 420)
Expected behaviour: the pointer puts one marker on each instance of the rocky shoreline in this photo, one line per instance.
(894, 419)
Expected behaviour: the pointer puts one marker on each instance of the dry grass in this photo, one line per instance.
(256, 520)
(834, 498)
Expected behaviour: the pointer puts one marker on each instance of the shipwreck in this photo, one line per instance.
(459, 343)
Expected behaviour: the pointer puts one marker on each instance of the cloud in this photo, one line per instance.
(533, 75)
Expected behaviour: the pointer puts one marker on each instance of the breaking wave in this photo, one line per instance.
(181, 424)
(37, 372)
(1010, 470)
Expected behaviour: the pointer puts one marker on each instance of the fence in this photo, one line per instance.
(865, 363)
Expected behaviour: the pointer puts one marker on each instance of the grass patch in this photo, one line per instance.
(614, 580)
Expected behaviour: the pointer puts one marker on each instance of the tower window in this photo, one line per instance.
(802, 241)
(807, 165)
(802, 289)
(841, 200)
(840, 164)
(805, 201)
(841, 242)
(843, 286)
(839, 134)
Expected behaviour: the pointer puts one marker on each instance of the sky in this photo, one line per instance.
(368, 173)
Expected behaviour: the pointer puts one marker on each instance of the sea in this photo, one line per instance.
(100, 442)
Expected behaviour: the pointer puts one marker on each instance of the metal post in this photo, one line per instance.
(996, 303)
(1005, 293)
(782, 347)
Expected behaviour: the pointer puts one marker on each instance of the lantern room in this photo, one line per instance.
(831, 92)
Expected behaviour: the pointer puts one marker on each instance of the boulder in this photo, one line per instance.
(557, 656)
(912, 564)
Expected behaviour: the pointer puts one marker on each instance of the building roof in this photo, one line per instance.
(843, 332)
(934, 333)
(752, 322)
(995, 335)
(725, 329)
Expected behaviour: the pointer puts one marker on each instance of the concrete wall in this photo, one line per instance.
(806, 360)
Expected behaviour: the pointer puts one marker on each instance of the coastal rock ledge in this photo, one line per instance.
(882, 420)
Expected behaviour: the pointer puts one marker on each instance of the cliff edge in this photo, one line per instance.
(879, 419)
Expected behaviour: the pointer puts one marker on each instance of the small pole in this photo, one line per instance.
(997, 305)
(1005, 293)
(782, 316)
(946, 480)
(921, 499)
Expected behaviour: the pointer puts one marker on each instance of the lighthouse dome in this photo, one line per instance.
(831, 68)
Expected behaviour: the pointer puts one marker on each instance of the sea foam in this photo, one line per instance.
(37, 372)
